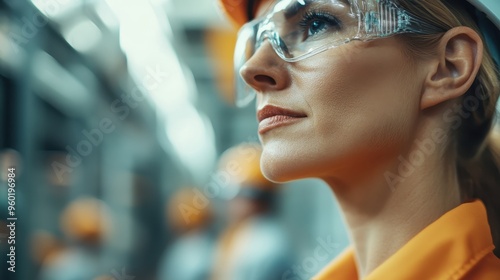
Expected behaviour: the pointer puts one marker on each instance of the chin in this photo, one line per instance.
(281, 166)
(278, 174)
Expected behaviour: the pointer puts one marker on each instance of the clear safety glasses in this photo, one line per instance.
(298, 29)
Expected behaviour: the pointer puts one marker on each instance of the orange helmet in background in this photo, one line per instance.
(176, 219)
(242, 164)
(86, 219)
(46, 247)
(220, 44)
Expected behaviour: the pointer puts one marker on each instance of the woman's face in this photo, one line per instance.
(358, 106)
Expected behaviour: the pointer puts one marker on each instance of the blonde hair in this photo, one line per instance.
(478, 160)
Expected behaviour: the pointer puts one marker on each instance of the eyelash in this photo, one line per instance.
(310, 16)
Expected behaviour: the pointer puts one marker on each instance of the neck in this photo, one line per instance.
(384, 211)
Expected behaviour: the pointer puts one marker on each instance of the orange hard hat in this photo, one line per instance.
(241, 11)
(242, 164)
(220, 44)
(86, 219)
(182, 215)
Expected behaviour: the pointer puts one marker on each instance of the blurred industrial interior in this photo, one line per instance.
(117, 105)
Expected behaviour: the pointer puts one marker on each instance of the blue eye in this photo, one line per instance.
(315, 23)
(316, 27)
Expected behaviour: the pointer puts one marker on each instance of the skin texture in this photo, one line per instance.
(369, 105)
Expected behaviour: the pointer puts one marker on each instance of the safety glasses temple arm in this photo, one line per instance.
(390, 19)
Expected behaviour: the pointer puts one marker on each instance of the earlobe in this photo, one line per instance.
(453, 71)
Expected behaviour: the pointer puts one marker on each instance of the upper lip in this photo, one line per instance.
(269, 111)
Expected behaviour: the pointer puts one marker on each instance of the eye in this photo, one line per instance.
(315, 23)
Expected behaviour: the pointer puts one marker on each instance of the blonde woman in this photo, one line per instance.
(391, 103)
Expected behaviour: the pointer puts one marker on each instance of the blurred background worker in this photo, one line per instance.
(190, 256)
(85, 224)
(253, 246)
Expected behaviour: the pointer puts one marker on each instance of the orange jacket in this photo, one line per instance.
(456, 246)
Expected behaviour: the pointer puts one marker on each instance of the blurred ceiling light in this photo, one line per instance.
(83, 35)
(105, 14)
(158, 2)
(207, 13)
(148, 50)
(56, 9)
(192, 137)
(154, 65)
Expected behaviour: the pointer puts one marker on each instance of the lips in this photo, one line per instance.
(270, 117)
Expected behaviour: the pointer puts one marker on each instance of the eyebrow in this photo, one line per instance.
(294, 9)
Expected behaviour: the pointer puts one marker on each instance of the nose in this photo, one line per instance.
(265, 71)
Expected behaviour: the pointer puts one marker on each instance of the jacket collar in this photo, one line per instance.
(446, 249)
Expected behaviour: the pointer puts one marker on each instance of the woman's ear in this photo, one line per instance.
(454, 69)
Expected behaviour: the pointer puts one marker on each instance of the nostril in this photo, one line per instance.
(265, 79)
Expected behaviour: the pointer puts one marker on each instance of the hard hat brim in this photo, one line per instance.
(236, 11)
(490, 7)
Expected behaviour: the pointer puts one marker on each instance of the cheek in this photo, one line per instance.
(372, 87)
(362, 108)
